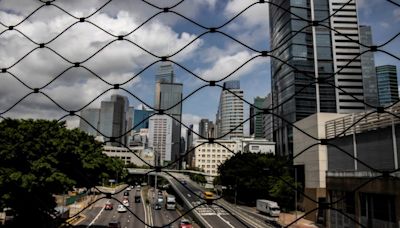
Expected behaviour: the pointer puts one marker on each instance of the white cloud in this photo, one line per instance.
(188, 119)
(226, 64)
(76, 87)
(252, 26)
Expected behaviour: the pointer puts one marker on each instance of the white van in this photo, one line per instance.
(268, 207)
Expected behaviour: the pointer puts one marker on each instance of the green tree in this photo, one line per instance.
(252, 176)
(40, 158)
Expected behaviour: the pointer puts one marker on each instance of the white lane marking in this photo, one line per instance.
(226, 221)
(144, 209)
(97, 216)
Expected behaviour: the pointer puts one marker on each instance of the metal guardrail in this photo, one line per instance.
(361, 122)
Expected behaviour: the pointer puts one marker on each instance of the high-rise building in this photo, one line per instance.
(307, 53)
(229, 119)
(267, 119)
(165, 73)
(387, 84)
(113, 119)
(92, 116)
(141, 119)
(160, 137)
(368, 68)
(168, 97)
(203, 127)
(256, 122)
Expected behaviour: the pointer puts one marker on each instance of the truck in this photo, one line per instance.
(171, 203)
(269, 208)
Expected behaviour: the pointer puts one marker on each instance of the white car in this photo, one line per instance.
(121, 208)
(125, 202)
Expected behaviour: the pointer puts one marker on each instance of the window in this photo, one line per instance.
(255, 147)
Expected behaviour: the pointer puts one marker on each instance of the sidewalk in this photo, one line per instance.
(284, 218)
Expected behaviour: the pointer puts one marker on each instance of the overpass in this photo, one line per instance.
(145, 171)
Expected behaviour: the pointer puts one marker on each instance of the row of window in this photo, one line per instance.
(209, 161)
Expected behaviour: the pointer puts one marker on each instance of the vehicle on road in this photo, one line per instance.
(171, 202)
(108, 206)
(121, 208)
(183, 182)
(269, 208)
(160, 200)
(137, 197)
(157, 206)
(125, 202)
(208, 195)
(114, 224)
(185, 224)
(126, 193)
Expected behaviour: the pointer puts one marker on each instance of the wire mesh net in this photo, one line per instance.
(376, 117)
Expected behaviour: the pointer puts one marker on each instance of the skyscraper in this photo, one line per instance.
(92, 116)
(267, 119)
(387, 84)
(140, 119)
(113, 119)
(160, 137)
(230, 111)
(203, 128)
(368, 68)
(168, 97)
(256, 123)
(309, 53)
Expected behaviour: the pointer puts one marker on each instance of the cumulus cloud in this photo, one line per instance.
(226, 64)
(75, 87)
(252, 25)
(188, 119)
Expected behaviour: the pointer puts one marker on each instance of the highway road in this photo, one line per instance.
(214, 215)
(96, 216)
(163, 216)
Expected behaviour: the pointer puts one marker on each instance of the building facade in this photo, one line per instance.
(267, 123)
(208, 156)
(358, 187)
(168, 97)
(387, 84)
(92, 116)
(310, 160)
(141, 119)
(206, 128)
(256, 122)
(315, 52)
(368, 68)
(230, 111)
(114, 119)
(137, 155)
(160, 137)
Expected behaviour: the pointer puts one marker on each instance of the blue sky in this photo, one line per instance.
(212, 56)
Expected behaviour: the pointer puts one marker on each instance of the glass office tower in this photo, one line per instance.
(305, 52)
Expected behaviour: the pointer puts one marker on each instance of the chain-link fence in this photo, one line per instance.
(338, 203)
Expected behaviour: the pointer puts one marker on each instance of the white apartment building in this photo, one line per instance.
(133, 155)
(160, 136)
(209, 156)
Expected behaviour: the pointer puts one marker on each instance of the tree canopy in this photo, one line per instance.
(253, 176)
(40, 158)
